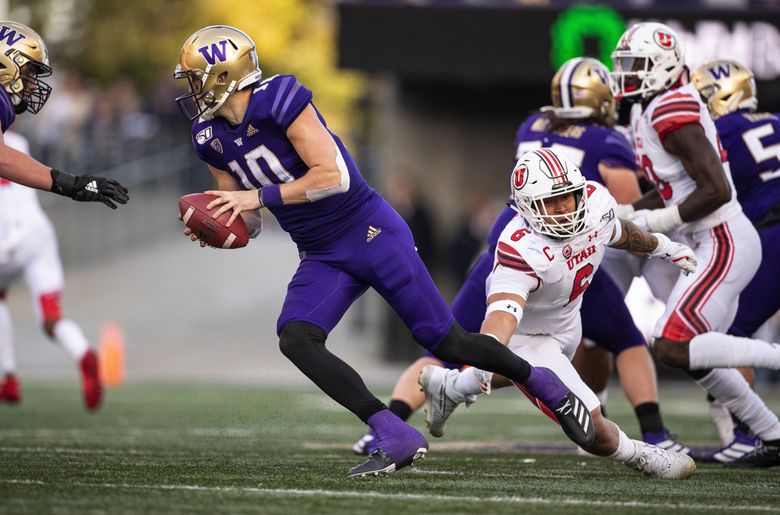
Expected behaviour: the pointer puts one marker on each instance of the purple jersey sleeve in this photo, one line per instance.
(7, 113)
(286, 97)
(617, 151)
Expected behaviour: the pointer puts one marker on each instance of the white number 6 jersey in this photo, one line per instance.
(552, 274)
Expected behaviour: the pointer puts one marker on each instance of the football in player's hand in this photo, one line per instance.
(212, 231)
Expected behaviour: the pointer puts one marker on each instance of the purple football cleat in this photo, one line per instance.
(567, 408)
(741, 446)
(397, 445)
(666, 441)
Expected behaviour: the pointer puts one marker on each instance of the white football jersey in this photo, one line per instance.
(19, 206)
(662, 115)
(552, 274)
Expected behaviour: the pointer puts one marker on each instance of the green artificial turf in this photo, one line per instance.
(232, 449)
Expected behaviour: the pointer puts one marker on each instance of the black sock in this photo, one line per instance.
(738, 424)
(483, 352)
(400, 408)
(649, 417)
(304, 345)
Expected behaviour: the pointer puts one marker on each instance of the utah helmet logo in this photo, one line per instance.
(567, 251)
(663, 39)
(520, 176)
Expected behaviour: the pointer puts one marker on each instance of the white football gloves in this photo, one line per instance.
(654, 220)
(677, 254)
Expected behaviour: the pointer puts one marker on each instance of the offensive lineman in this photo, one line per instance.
(267, 146)
(544, 259)
(678, 148)
(24, 60)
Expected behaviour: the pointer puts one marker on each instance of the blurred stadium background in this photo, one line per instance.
(427, 94)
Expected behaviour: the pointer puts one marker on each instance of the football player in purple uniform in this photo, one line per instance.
(268, 146)
(752, 142)
(579, 125)
(24, 60)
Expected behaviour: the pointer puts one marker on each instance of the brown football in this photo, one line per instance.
(212, 231)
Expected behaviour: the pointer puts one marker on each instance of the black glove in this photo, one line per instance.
(88, 188)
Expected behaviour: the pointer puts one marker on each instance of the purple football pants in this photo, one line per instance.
(378, 252)
(760, 298)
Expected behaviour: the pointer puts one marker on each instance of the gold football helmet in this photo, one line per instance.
(216, 61)
(23, 61)
(581, 89)
(726, 86)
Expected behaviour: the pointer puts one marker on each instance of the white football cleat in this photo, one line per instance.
(658, 462)
(433, 382)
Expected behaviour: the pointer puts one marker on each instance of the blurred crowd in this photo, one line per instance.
(88, 128)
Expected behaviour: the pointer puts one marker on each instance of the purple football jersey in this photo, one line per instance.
(258, 153)
(752, 143)
(586, 145)
(7, 112)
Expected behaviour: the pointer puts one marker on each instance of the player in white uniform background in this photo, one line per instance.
(28, 248)
(678, 149)
(544, 261)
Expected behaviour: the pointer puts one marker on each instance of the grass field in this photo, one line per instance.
(229, 449)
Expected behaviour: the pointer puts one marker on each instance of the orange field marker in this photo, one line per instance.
(112, 354)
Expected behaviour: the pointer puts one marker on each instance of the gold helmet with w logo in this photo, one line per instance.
(23, 61)
(581, 89)
(726, 86)
(216, 61)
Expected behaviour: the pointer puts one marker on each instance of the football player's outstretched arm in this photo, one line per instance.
(327, 174)
(501, 322)
(23, 169)
(703, 164)
(634, 239)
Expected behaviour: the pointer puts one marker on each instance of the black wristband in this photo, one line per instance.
(62, 183)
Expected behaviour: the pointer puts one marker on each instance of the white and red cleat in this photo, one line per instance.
(9, 390)
(91, 387)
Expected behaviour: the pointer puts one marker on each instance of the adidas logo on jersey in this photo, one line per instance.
(373, 232)
(91, 186)
(251, 131)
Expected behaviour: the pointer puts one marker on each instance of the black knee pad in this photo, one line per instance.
(300, 337)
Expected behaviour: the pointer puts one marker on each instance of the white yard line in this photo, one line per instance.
(299, 492)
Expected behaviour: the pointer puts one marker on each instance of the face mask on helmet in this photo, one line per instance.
(35, 92)
(24, 61)
(549, 192)
(648, 60)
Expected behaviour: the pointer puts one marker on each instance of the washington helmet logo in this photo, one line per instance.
(10, 36)
(520, 176)
(719, 71)
(663, 39)
(213, 52)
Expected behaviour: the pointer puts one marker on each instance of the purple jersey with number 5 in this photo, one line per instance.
(7, 112)
(258, 153)
(752, 143)
(585, 145)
